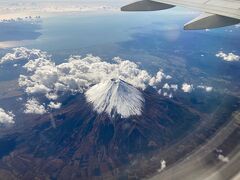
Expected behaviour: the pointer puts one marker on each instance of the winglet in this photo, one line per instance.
(146, 5)
(209, 21)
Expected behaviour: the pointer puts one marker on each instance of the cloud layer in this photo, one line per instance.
(6, 117)
(22, 53)
(34, 107)
(228, 57)
(79, 74)
(187, 88)
(206, 88)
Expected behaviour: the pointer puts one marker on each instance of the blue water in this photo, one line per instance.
(100, 33)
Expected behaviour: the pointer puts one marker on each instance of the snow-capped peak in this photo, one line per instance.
(115, 96)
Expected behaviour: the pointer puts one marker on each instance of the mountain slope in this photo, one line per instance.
(88, 145)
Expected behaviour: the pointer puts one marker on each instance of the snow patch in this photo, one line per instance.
(116, 96)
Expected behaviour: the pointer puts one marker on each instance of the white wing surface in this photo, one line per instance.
(217, 13)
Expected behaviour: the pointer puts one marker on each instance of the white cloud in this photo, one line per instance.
(219, 150)
(34, 107)
(55, 6)
(167, 90)
(228, 57)
(52, 96)
(223, 158)
(209, 89)
(168, 77)
(76, 75)
(54, 105)
(22, 53)
(165, 94)
(166, 86)
(206, 88)
(158, 78)
(6, 117)
(13, 18)
(163, 165)
(79, 74)
(187, 88)
(174, 87)
(19, 99)
(32, 65)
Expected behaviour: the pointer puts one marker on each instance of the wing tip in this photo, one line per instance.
(146, 5)
(210, 21)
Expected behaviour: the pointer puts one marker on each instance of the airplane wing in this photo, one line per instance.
(217, 13)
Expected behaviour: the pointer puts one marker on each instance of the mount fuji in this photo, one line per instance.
(99, 134)
(116, 97)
